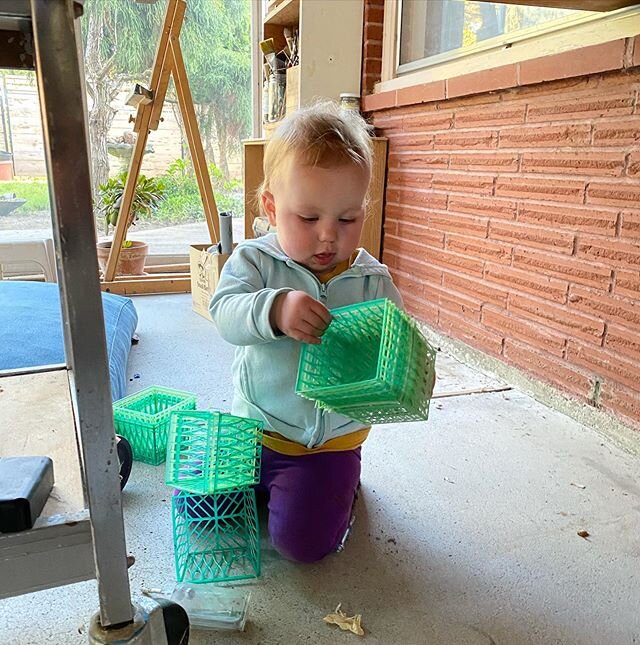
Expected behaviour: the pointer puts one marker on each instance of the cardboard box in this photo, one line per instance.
(205, 273)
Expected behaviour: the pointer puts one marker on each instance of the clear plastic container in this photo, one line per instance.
(210, 607)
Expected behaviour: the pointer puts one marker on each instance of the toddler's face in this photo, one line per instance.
(318, 213)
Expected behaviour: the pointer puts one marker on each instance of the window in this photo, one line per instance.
(431, 32)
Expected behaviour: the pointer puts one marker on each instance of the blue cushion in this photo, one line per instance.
(31, 329)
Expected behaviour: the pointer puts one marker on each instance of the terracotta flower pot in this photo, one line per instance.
(131, 260)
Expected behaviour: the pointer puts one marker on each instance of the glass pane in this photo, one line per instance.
(431, 28)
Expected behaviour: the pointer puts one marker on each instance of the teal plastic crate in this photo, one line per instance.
(210, 452)
(143, 418)
(216, 537)
(373, 365)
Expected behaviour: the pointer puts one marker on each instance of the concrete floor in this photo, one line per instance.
(466, 530)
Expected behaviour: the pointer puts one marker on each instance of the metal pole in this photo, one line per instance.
(64, 125)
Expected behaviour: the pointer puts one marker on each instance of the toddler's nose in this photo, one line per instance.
(328, 231)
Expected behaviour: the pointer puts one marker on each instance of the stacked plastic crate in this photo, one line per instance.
(213, 462)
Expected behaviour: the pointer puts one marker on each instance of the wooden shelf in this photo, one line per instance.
(286, 13)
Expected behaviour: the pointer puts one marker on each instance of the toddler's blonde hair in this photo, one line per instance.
(321, 135)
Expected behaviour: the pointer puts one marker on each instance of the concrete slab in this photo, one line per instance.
(466, 530)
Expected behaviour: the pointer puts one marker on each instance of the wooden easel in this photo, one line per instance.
(168, 61)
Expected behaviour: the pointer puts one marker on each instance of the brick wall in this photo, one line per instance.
(512, 223)
(372, 44)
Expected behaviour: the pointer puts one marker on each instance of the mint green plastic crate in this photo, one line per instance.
(210, 452)
(143, 418)
(373, 365)
(216, 537)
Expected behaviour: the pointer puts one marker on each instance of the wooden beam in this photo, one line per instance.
(131, 286)
(188, 112)
(583, 5)
(168, 268)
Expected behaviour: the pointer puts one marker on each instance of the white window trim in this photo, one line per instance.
(583, 32)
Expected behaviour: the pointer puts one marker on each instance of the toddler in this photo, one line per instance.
(275, 293)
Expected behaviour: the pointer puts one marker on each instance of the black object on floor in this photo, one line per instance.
(25, 484)
(125, 457)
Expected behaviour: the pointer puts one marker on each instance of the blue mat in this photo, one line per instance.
(31, 329)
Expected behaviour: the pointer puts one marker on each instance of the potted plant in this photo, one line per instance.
(148, 194)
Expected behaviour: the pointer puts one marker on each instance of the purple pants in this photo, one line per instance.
(310, 500)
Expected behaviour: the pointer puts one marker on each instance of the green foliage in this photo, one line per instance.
(34, 189)
(148, 195)
(182, 202)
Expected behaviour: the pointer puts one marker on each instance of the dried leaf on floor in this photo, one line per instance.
(584, 534)
(344, 622)
(578, 485)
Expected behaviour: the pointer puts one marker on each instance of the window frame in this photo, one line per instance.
(581, 32)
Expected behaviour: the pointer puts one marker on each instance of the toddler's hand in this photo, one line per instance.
(300, 316)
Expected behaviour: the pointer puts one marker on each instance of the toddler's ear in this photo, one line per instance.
(269, 206)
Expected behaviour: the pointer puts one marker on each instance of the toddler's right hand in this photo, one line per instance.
(299, 316)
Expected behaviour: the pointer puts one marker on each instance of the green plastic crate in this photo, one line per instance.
(143, 418)
(216, 537)
(210, 452)
(373, 365)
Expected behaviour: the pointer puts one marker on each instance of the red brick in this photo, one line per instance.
(420, 309)
(425, 93)
(578, 62)
(459, 304)
(583, 106)
(602, 363)
(410, 142)
(457, 262)
(403, 213)
(448, 222)
(463, 183)
(483, 161)
(421, 235)
(548, 368)
(511, 327)
(481, 290)
(475, 247)
(409, 282)
(471, 333)
(624, 341)
(623, 401)
(633, 169)
(492, 116)
(618, 194)
(374, 13)
(627, 283)
(487, 80)
(604, 305)
(552, 136)
(572, 219)
(378, 101)
(411, 258)
(564, 190)
(636, 51)
(467, 140)
(611, 251)
(420, 198)
(557, 317)
(374, 31)
(502, 208)
(535, 283)
(405, 178)
(418, 160)
(387, 123)
(524, 235)
(372, 66)
(373, 50)
(617, 133)
(428, 121)
(574, 163)
(572, 269)
(390, 226)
